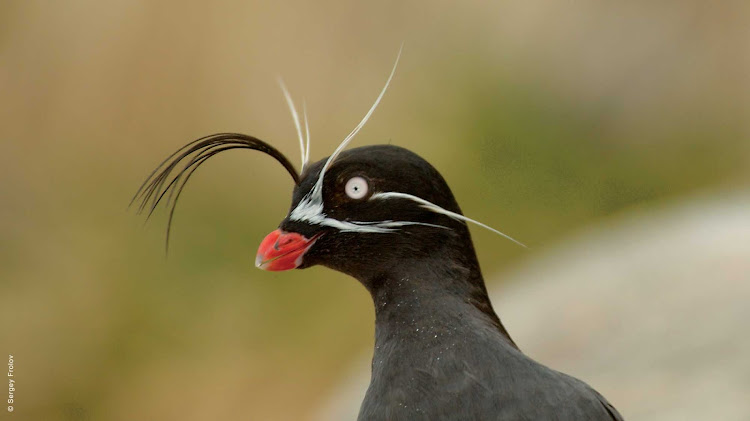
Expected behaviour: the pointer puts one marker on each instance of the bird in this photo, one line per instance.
(386, 217)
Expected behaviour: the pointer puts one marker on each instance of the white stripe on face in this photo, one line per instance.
(437, 209)
(310, 210)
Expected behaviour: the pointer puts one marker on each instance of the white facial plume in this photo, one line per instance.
(311, 210)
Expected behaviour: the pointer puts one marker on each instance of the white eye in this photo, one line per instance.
(356, 188)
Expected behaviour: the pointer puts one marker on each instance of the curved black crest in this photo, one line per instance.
(195, 153)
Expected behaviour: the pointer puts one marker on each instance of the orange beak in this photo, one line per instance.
(282, 250)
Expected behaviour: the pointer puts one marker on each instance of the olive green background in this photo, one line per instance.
(543, 116)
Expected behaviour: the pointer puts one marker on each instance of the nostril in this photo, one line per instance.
(281, 242)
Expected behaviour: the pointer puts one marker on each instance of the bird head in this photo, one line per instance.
(365, 211)
(357, 211)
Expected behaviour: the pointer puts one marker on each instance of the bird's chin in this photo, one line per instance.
(282, 250)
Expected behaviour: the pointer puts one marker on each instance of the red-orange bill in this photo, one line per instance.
(282, 250)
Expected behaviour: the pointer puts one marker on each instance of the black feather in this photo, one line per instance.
(153, 190)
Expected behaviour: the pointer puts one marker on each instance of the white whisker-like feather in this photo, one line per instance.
(359, 126)
(295, 117)
(310, 208)
(437, 209)
(306, 159)
(372, 227)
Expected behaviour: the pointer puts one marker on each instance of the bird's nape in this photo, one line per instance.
(195, 153)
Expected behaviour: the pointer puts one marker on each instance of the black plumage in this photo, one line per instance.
(441, 352)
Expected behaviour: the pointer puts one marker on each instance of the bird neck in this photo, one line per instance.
(434, 293)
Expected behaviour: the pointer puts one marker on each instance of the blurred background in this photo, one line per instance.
(552, 121)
